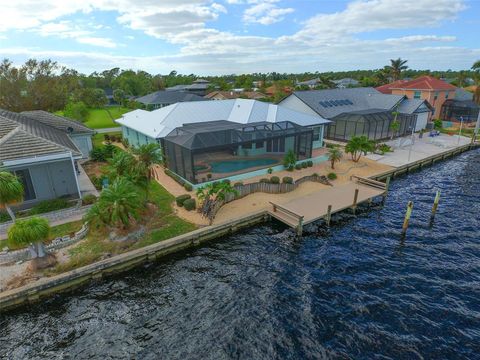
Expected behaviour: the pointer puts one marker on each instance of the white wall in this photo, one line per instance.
(422, 119)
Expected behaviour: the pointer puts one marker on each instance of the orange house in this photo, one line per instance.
(428, 88)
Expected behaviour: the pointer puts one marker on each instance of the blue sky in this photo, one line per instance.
(209, 37)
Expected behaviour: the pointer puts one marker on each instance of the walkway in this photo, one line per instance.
(307, 209)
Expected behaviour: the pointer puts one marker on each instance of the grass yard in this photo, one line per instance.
(98, 139)
(163, 225)
(103, 118)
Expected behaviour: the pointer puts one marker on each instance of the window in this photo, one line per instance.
(316, 133)
(146, 139)
(417, 95)
(138, 139)
(26, 180)
(446, 94)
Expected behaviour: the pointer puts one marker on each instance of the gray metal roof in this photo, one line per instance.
(346, 100)
(22, 136)
(159, 123)
(410, 106)
(168, 97)
(58, 122)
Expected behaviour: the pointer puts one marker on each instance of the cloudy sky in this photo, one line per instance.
(240, 36)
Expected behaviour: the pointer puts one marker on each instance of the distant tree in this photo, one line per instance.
(119, 96)
(334, 155)
(396, 67)
(11, 191)
(358, 146)
(30, 232)
(76, 110)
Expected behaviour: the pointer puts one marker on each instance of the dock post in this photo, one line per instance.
(329, 215)
(355, 199)
(387, 185)
(300, 226)
(407, 218)
(435, 206)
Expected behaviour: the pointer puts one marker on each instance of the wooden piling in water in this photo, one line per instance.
(355, 200)
(406, 221)
(435, 206)
(329, 215)
(300, 226)
(387, 185)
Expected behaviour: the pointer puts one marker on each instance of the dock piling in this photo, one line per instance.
(435, 206)
(355, 200)
(300, 226)
(329, 215)
(407, 218)
(387, 185)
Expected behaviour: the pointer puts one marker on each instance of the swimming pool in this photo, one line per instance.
(221, 167)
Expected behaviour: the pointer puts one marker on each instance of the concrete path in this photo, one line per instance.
(108, 130)
(404, 153)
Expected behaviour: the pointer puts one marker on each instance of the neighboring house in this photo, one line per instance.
(310, 83)
(360, 111)
(346, 83)
(225, 137)
(162, 98)
(226, 95)
(79, 133)
(428, 88)
(42, 156)
(199, 87)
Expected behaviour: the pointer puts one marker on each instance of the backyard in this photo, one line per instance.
(103, 118)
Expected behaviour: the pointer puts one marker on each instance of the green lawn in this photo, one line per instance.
(103, 118)
(98, 139)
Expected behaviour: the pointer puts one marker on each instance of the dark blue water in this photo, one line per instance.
(356, 291)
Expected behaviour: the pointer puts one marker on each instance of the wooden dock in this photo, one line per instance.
(324, 203)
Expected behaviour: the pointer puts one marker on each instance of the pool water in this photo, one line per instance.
(221, 167)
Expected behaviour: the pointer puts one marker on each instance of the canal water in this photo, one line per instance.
(356, 291)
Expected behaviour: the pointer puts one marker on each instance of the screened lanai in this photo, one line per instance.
(214, 150)
(457, 110)
(375, 124)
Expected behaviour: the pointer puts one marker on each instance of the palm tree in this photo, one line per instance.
(149, 155)
(117, 205)
(124, 164)
(30, 232)
(476, 66)
(359, 145)
(11, 191)
(396, 67)
(334, 155)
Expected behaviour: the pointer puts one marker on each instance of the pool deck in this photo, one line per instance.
(307, 209)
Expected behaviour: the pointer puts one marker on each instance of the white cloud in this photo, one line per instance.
(97, 41)
(265, 12)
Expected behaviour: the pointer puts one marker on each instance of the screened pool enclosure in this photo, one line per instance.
(201, 152)
(373, 124)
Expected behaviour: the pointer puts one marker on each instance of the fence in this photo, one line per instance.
(269, 188)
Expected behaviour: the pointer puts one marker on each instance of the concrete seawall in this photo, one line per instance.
(70, 280)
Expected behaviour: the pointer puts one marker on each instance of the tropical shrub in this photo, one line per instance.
(304, 165)
(383, 148)
(188, 187)
(270, 170)
(298, 166)
(49, 205)
(227, 181)
(332, 176)
(182, 198)
(334, 155)
(89, 199)
(287, 180)
(4, 217)
(275, 180)
(291, 168)
(437, 124)
(358, 146)
(309, 163)
(289, 159)
(30, 232)
(190, 204)
(11, 191)
(265, 180)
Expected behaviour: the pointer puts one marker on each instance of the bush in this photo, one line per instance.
(189, 204)
(298, 167)
(287, 180)
(238, 183)
(304, 165)
(125, 142)
(332, 176)
(270, 170)
(4, 217)
(180, 200)
(97, 154)
(227, 181)
(290, 168)
(265, 180)
(383, 148)
(48, 205)
(309, 163)
(89, 199)
(107, 137)
(437, 124)
(275, 180)
(175, 177)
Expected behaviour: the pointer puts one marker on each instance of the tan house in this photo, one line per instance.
(435, 91)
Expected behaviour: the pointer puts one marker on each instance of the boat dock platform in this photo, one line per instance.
(322, 204)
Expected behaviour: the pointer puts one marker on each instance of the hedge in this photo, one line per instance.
(182, 198)
(287, 180)
(332, 176)
(189, 204)
(275, 180)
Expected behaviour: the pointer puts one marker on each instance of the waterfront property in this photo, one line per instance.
(43, 156)
(428, 88)
(361, 111)
(217, 139)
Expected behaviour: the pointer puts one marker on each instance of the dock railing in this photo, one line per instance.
(369, 182)
(298, 219)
